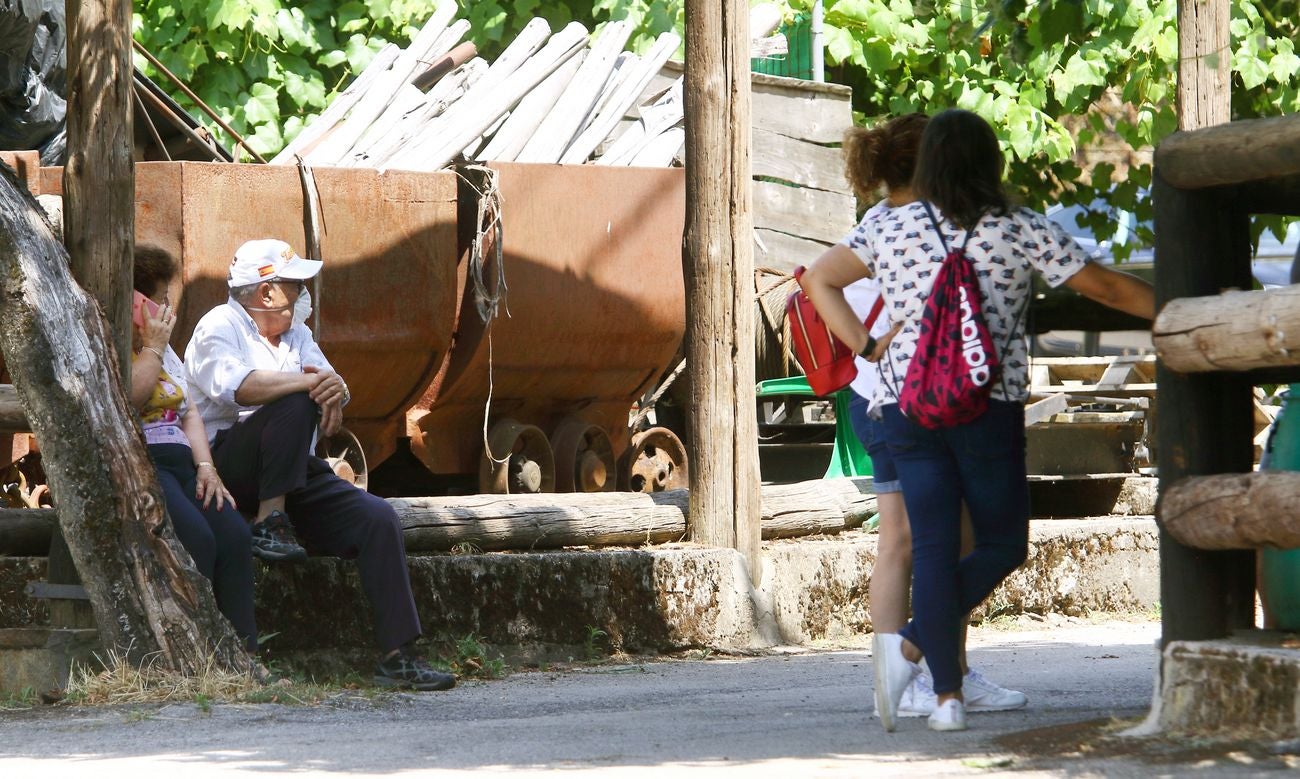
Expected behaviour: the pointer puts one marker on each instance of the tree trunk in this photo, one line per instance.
(146, 595)
(1234, 511)
(718, 264)
(497, 522)
(99, 179)
(1232, 331)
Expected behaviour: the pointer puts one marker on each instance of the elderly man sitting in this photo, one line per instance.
(263, 387)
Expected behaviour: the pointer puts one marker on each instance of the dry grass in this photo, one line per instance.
(120, 681)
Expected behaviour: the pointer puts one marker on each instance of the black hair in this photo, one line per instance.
(154, 267)
(959, 167)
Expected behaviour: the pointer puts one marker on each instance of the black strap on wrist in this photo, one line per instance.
(868, 349)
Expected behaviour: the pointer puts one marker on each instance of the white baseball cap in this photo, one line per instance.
(269, 259)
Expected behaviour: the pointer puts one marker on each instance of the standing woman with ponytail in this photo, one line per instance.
(884, 157)
(980, 462)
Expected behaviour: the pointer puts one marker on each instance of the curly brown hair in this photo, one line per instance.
(154, 267)
(884, 154)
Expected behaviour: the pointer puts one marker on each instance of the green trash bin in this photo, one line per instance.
(1279, 579)
(848, 456)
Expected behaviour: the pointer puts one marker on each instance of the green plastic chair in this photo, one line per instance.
(848, 457)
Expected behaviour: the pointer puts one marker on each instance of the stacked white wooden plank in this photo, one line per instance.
(338, 108)
(380, 94)
(547, 98)
(575, 107)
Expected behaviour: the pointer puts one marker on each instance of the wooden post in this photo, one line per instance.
(718, 268)
(1204, 63)
(1203, 245)
(99, 179)
(1202, 241)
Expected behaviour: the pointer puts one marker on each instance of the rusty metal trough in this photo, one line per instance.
(596, 310)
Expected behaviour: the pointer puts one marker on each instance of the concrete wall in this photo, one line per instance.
(667, 598)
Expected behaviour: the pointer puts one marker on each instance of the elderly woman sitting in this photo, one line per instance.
(207, 523)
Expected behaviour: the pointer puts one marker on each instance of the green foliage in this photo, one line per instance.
(468, 657)
(1052, 77)
(1027, 66)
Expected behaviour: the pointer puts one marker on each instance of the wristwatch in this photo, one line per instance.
(868, 349)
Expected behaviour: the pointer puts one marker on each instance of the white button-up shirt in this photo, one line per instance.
(225, 348)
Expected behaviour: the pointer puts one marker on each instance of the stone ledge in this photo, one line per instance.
(676, 597)
(42, 658)
(1247, 686)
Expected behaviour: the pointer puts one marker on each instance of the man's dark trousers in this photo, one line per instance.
(266, 455)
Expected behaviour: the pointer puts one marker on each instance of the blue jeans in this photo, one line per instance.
(871, 432)
(983, 463)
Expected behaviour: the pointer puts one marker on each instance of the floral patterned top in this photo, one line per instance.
(161, 417)
(903, 250)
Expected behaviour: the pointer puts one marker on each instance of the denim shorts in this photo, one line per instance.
(871, 432)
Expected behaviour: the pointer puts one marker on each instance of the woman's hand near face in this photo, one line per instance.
(157, 330)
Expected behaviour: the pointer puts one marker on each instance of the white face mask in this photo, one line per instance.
(302, 308)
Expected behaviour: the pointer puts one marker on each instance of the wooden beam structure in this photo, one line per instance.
(1232, 331)
(1207, 422)
(1234, 510)
(1242, 151)
(719, 274)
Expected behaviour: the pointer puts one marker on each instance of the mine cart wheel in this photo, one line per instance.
(584, 457)
(655, 461)
(344, 454)
(519, 462)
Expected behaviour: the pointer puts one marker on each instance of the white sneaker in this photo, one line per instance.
(981, 695)
(950, 715)
(893, 675)
(918, 699)
(984, 695)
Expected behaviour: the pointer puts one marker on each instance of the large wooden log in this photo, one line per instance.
(718, 268)
(147, 597)
(1234, 153)
(498, 522)
(501, 522)
(1232, 331)
(1234, 511)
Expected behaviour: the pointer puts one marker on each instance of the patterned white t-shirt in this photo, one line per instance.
(861, 296)
(904, 252)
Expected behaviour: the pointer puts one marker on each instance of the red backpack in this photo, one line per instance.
(951, 374)
(825, 360)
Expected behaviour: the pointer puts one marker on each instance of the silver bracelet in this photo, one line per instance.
(155, 351)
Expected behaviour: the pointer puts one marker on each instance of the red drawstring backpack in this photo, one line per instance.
(826, 361)
(951, 374)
